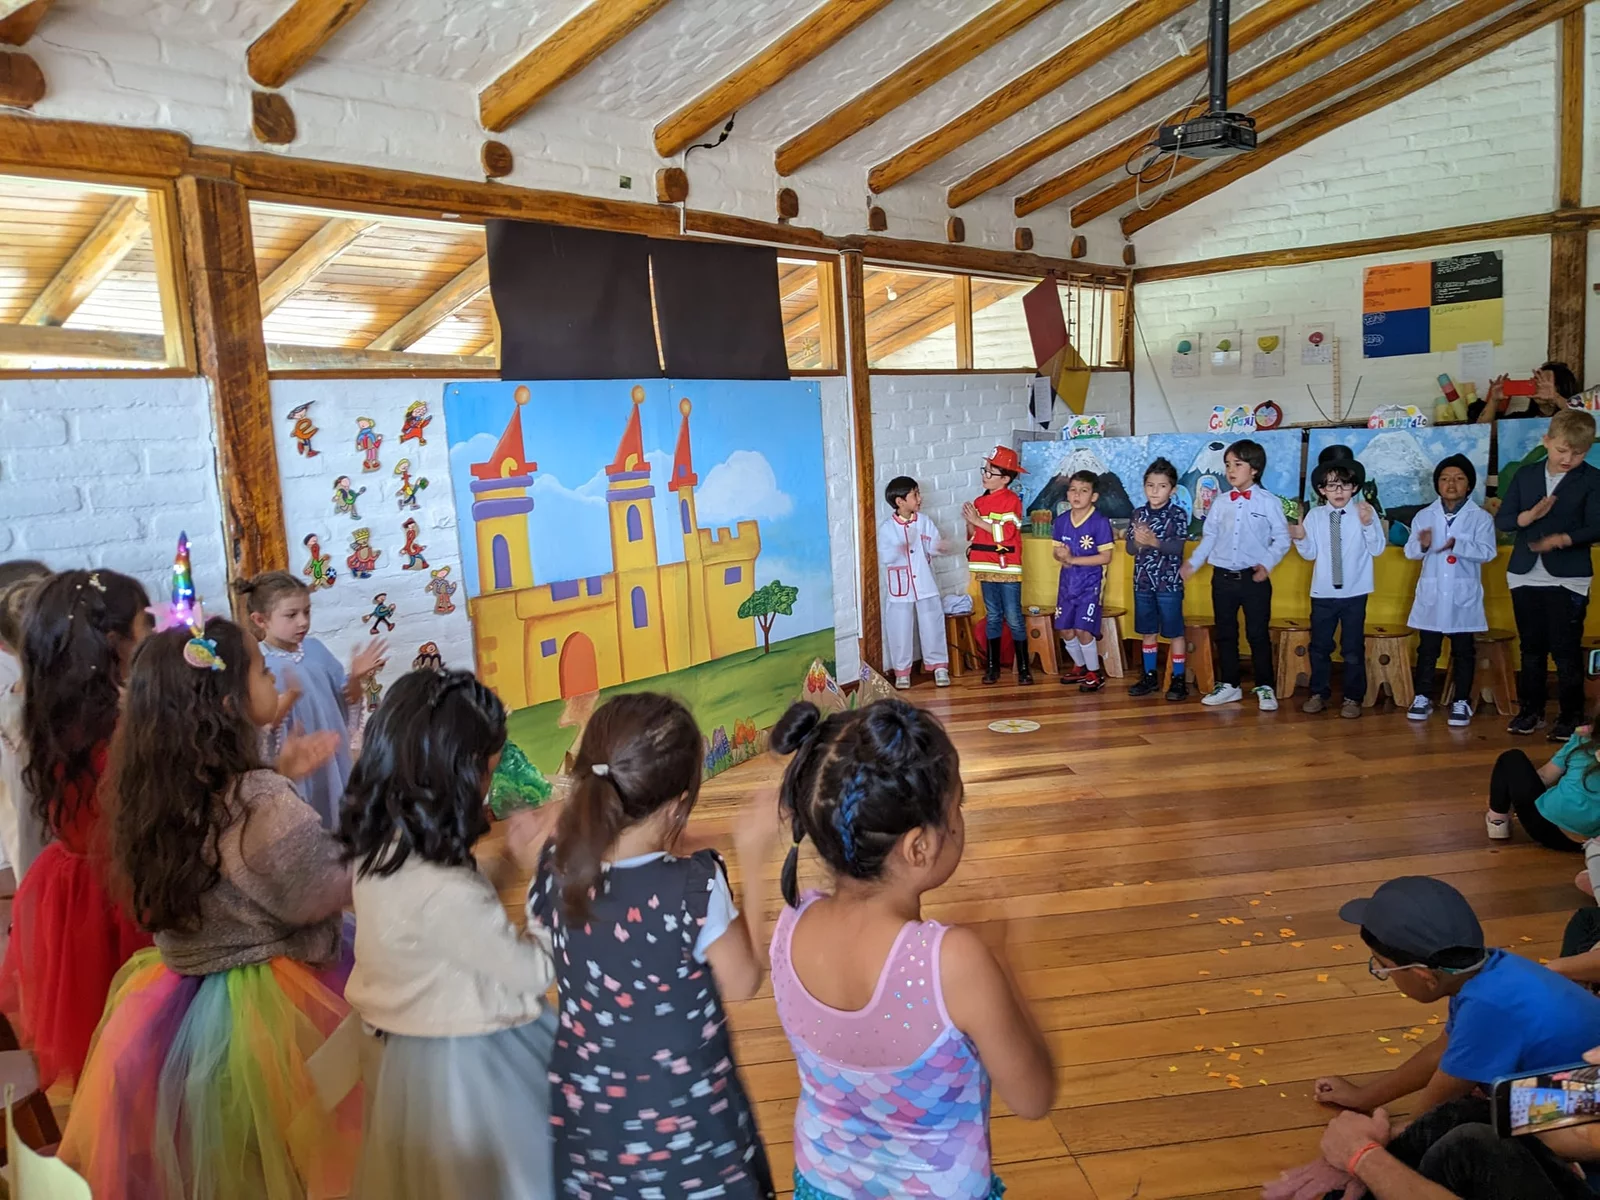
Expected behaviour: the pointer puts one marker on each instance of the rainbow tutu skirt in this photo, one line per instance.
(196, 1087)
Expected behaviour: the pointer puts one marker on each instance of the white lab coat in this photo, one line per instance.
(912, 605)
(1450, 589)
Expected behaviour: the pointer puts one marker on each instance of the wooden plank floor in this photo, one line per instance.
(1166, 880)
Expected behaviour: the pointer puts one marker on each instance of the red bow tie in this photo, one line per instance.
(1244, 495)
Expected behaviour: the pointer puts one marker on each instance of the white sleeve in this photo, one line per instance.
(1306, 547)
(720, 914)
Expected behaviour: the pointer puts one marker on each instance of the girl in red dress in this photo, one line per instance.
(68, 935)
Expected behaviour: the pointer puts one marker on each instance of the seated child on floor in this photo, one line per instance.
(1558, 804)
(1083, 541)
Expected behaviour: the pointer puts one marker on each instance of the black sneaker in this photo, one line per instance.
(1148, 682)
(1526, 722)
(1563, 729)
(1179, 689)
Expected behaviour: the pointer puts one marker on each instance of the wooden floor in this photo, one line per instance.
(1166, 879)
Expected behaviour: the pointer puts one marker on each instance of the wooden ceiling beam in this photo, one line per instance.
(581, 39)
(293, 39)
(18, 20)
(1100, 42)
(1275, 70)
(1035, 150)
(316, 252)
(21, 81)
(346, 358)
(799, 45)
(1424, 36)
(1509, 28)
(125, 221)
(988, 29)
(411, 328)
(20, 344)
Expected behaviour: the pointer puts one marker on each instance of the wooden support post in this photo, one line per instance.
(963, 322)
(219, 261)
(830, 315)
(855, 327)
(1569, 252)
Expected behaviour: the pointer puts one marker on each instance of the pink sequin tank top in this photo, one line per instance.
(893, 1098)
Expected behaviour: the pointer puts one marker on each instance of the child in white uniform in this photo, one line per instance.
(912, 605)
(1454, 538)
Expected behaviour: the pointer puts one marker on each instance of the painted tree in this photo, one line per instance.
(766, 605)
(517, 783)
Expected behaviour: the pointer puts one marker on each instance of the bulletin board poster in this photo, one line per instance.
(1432, 307)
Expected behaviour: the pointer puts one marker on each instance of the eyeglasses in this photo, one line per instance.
(1335, 485)
(1379, 972)
(991, 471)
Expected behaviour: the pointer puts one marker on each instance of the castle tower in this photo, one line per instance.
(640, 620)
(683, 484)
(500, 508)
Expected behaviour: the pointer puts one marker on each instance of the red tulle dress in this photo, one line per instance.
(69, 939)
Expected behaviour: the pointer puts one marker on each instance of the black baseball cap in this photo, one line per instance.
(1420, 915)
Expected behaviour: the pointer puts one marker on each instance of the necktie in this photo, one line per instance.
(1336, 547)
(1244, 495)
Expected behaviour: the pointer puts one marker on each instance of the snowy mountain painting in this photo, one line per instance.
(1401, 462)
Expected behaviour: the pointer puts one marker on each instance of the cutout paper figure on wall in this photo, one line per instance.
(441, 589)
(320, 567)
(416, 423)
(345, 497)
(382, 613)
(428, 658)
(412, 549)
(372, 690)
(363, 558)
(302, 430)
(407, 495)
(368, 439)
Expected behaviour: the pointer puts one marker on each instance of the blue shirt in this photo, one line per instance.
(1515, 1017)
(1573, 801)
(1155, 568)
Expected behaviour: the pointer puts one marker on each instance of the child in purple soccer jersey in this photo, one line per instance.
(1083, 539)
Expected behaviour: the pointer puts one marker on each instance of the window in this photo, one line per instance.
(1096, 314)
(809, 293)
(911, 319)
(683, 515)
(345, 291)
(1000, 338)
(641, 609)
(547, 648)
(87, 278)
(500, 554)
(635, 525)
(732, 575)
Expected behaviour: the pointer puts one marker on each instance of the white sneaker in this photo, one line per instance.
(1223, 693)
(1267, 699)
(1499, 827)
(902, 683)
(1460, 714)
(1421, 709)
(941, 677)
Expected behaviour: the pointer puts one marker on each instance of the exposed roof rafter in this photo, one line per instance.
(19, 19)
(125, 221)
(414, 326)
(315, 253)
(293, 39)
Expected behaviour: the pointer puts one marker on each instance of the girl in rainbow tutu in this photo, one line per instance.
(196, 1086)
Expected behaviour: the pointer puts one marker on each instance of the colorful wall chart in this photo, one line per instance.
(1432, 307)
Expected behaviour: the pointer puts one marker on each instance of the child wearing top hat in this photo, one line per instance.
(994, 555)
(1452, 538)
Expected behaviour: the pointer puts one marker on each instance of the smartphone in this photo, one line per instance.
(1520, 387)
(1594, 664)
(1553, 1100)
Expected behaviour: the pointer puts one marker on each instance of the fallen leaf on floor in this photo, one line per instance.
(1233, 1058)
(1194, 914)
(1173, 1070)
(1203, 1011)
(1255, 903)
(1235, 1083)
(1205, 972)
(1234, 1044)
(1322, 979)
(1524, 939)
(1297, 945)
(1247, 943)
(1253, 991)
(1266, 893)
(1199, 1047)
(1336, 946)
(1257, 1050)
(1286, 933)
(1262, 1082)
(1280, 995)
(1391, 1049)
(1213, 1074)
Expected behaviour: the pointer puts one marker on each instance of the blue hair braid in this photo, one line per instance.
(844, 817)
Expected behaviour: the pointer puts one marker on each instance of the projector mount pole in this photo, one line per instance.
(1217, 56)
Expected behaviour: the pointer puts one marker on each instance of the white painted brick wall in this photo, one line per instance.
(838, 458)
(107, 473)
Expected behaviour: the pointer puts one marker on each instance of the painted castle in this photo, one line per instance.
(545, 641)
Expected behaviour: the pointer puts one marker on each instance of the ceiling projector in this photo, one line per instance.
(1217, 132)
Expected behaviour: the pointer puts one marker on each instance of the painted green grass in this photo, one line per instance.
(749, 685)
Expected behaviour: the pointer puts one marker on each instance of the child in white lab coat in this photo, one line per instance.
(1454, 538)
(911, 604)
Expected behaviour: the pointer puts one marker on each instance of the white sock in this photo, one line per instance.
(1091, 655)
(1075, 651)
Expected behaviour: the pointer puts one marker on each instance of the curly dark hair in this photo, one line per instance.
(186, 737)
(640, 752)
(859, 781)
(419, 785)
(75, 626)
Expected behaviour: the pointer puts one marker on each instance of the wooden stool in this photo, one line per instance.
(1197, 667)
(1389, 664)
(962, 642)
(1494, 681)
(35, 1119)
(1292, 662)
(1111, 642)
(1043, 639)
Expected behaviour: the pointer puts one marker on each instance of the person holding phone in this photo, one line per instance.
(1545, 395)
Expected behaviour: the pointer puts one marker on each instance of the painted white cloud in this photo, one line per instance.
(742, 488)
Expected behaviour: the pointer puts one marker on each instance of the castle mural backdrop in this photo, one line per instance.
(656, 534)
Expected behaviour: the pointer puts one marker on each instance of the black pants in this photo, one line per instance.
(1515, 786)
(1582, 934)
(1456, 1147)
(1463, 661)
(1349, 614)
(1230, 592)
(1550, 625)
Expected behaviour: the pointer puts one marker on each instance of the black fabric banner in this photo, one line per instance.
(719, 312)
(573, 303)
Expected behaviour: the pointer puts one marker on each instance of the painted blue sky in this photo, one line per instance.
(757, 451)
(1401, 461)
(1519, 437)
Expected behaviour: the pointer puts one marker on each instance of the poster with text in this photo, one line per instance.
(1432, 307)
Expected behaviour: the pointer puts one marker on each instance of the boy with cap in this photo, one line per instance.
(1453, 538)
(994, 555)
(1508, 1015)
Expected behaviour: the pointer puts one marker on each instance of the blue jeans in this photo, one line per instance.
(1003, 600)
(1350, 615)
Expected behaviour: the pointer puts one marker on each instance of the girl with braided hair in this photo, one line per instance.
(898, 1025)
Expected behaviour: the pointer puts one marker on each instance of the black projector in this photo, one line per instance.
(1213, 135)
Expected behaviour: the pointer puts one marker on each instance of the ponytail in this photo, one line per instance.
(593, 820)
